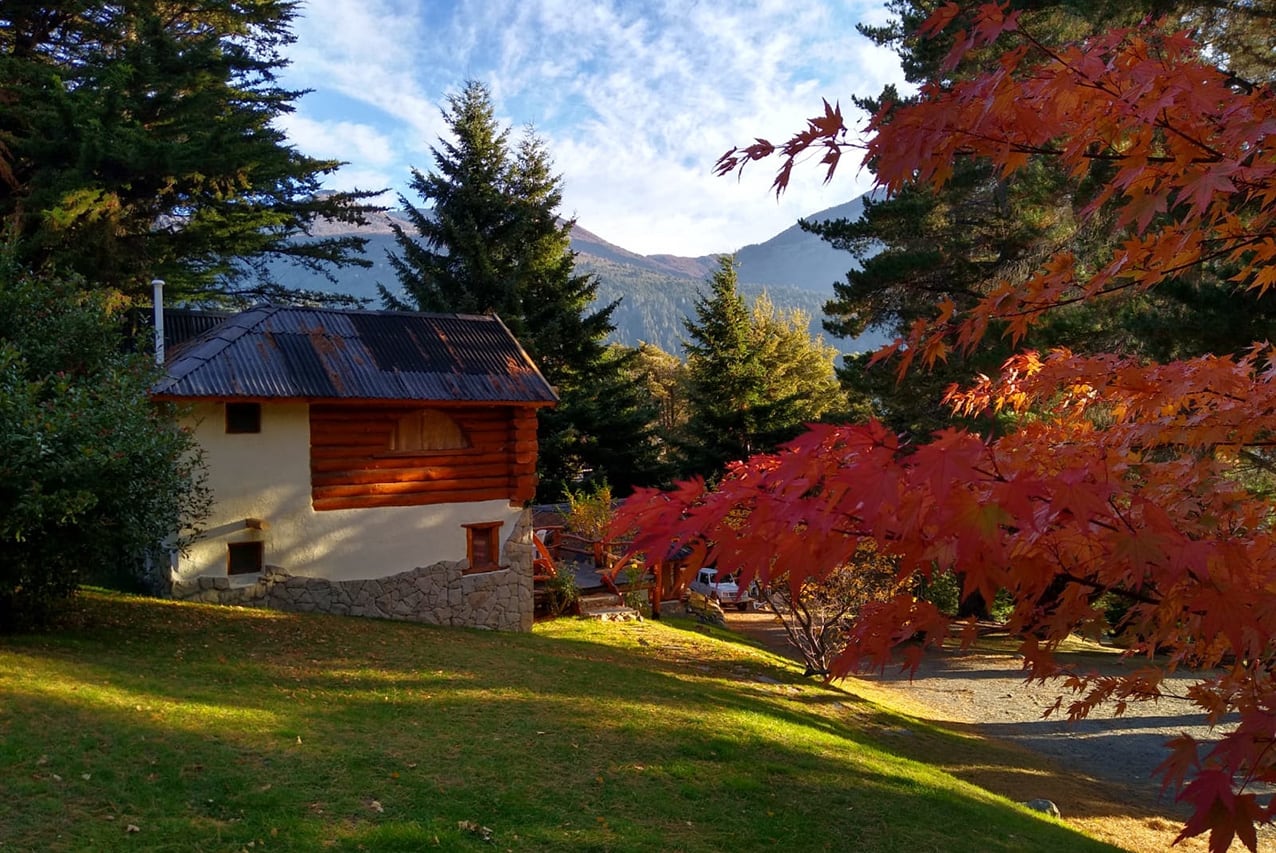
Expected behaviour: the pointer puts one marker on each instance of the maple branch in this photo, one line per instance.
(1049, 151)
(1094, 585)
(1164, 124)
(1033, 308)
(1257, 459)
(1255, 763)
(1238, 82)
(1102, 86)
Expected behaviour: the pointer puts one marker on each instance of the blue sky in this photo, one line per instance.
(636, 100)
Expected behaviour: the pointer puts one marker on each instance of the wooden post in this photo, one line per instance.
(653, 595)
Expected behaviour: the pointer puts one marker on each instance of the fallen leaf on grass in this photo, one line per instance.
(481, 831)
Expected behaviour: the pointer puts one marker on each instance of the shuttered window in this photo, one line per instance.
(426, 429)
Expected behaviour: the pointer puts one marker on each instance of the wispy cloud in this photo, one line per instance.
(635, 100)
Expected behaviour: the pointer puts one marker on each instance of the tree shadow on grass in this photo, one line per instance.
(390, 736)
(621, 784)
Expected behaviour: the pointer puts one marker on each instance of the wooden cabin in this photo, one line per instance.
(362, 462)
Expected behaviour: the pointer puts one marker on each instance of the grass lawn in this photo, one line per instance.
(153, 725)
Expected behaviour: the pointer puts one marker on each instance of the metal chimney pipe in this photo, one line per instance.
(157, 290)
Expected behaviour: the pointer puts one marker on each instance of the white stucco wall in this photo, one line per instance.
(266, 476)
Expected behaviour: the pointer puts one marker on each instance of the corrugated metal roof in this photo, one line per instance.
(180, 326)
(282, 352)
(184, 324)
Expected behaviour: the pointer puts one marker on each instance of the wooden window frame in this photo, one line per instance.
(246, 422)
(255, 553)
(490, 531)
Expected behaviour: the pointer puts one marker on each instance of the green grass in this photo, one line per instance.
(149, 725)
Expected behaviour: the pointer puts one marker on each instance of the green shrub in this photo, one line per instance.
(636, 598)
(589, 514)
(563, 591)
(943, 590)
(93, 477)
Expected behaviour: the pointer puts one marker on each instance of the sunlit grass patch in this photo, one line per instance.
(212, 728)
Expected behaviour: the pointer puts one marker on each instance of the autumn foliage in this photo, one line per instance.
(1146, 481)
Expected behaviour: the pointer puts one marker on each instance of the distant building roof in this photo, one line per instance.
(282, 352)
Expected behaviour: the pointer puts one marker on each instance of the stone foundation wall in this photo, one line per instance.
(439, 594)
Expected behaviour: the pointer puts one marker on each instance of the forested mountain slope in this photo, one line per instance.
(657, 292)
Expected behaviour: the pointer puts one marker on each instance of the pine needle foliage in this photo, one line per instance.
(138, 140)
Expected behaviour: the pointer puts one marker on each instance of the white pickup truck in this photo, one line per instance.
(721, 587)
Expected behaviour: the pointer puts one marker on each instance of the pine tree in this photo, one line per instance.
(983, 227)
(605, 429)
(726, 381)
(456, 256)
(754, 376)
(136, 141)
(565, 336)
(490, 239)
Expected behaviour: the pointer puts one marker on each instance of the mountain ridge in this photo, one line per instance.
(657, 293)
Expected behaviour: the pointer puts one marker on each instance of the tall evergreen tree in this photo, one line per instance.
(924, 245)
(731, 415)
(136, 141)
(490, 239)
(457, 254)
(604, 430)
(753, 378)
(556, 319)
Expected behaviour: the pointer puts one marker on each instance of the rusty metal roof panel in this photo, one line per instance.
(281, 352)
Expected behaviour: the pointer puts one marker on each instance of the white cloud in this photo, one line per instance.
(358, 143)
(363, 50)
(636, 101)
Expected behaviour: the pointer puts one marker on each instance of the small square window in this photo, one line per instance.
(243, 417)
(483, 546)
(244, 558)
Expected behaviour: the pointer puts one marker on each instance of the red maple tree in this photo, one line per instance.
(1122, 477)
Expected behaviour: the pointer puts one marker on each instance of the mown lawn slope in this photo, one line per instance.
(152, 725)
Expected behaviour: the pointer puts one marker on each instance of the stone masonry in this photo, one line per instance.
(439, 594)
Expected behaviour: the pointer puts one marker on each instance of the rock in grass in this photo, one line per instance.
(1045, 806)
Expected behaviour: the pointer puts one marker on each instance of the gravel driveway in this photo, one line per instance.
(987, 691)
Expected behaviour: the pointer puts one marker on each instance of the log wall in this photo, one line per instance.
(351, 465)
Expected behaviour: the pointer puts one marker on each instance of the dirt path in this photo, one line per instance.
(1099, 771)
